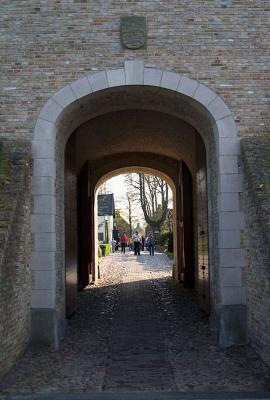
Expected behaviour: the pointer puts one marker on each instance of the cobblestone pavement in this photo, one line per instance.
(137, 330)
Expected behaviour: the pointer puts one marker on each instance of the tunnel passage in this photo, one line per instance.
(137, 88)
(126, 140)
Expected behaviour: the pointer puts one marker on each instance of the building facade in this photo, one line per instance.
(191, 83)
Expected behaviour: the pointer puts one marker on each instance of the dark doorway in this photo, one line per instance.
(189, 267)
(84, 228)
(70, 227)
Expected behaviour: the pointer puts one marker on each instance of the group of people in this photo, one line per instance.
(137, 242)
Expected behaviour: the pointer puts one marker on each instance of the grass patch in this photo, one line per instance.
(168, 253)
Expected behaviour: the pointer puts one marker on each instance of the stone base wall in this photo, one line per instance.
(256, 201)
(15, 273)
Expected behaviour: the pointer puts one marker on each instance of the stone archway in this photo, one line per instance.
(166, 92)
(146, 170)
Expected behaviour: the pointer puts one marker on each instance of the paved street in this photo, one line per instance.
(137, 330)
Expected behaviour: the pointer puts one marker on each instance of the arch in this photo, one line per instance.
(76, 103)
(136, 168)
(150, 171)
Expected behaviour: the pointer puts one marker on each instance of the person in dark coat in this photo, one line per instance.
(151, 244)
(143, 241)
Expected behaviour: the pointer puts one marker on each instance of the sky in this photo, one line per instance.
(116, 185)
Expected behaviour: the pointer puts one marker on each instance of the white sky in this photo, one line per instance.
(117, 186)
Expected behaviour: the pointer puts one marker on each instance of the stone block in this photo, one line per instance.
(64, 97)
(134, 72)
(44, 204)
(43, 260)
(44, 242)
(43, 223)
(46, 327)
(230, 183)
(228, 164)
(42, 149)
(43, 279)
(116, 77)
(204, 95)
(226, 126)
(44, 130)
(228, 202)
(43, 185)
(232, 258)
(152, 76)
(230, 277)
(187, 86)
(218, 109)
(231, 220)
(98, 81)
(229, 146)
(42, 299)
(232, 325)
(81, 87)
(51, 111)
(170, 80)
(44, 167)
(231, 295)
(229, 239)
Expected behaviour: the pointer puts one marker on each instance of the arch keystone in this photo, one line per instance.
(134, 72)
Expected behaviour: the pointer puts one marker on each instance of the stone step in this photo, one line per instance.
(145, 395)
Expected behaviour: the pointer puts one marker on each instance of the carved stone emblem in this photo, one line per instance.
(133, 32)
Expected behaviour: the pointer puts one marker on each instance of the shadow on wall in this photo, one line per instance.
(15, 247)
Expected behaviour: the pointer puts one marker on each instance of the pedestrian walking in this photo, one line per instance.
(123, 241)
(143, 241)
(146, 245)
(151, 244)
(136, 242)
(113, 243)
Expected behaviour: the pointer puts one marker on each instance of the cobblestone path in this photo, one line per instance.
(137, 330)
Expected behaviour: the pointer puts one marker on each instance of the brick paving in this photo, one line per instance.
(137, 330)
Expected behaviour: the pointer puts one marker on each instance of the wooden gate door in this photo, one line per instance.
(202, 229)
(180, 225)
(188, 237)
(185, 237)
(84, 222)
(70, 226)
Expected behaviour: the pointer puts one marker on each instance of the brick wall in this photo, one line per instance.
(256, 200)
(47, 44)
(15, 274)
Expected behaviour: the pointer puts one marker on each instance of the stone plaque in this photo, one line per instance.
(133, 32)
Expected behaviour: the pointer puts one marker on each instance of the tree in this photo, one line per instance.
(120, 223)
(152, 193)
(131, 205)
